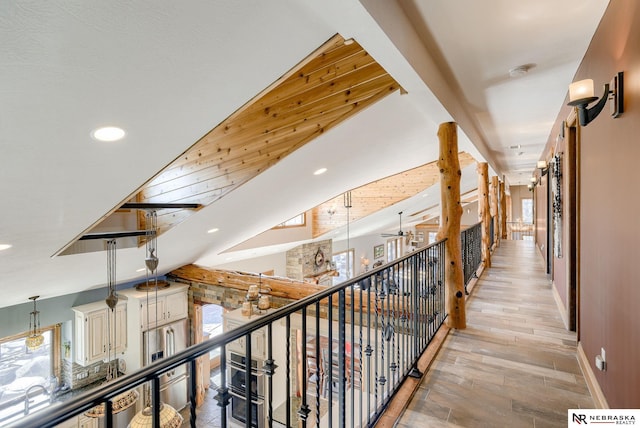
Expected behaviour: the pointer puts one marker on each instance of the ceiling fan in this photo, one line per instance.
(409, 235)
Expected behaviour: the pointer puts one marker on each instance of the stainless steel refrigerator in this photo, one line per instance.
(163, 342)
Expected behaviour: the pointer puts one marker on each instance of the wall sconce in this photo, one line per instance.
(543, 167)
(533, 183)
(581, 94)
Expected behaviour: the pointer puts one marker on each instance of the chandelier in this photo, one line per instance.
(35, 338)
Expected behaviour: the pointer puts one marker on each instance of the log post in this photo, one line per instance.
(503, 212)
(483, 210)
(196, 322)
(450, 174)
(494, 209)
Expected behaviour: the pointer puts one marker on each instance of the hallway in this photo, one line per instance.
(515, 365)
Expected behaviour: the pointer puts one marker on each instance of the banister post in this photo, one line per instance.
(450, 175)
(483, 211)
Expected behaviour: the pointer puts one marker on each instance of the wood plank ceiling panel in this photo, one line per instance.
(377, 195)
(335, 82)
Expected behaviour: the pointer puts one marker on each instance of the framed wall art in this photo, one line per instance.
(378, 251)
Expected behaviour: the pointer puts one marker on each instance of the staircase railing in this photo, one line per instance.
(471, 252)
(332, 359)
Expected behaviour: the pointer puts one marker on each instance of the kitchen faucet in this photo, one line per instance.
(26, 396)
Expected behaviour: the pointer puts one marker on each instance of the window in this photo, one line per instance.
(22, 368)
(297, 221)
(527, 211)
(432, 237)
(344, 265)
(394, 249)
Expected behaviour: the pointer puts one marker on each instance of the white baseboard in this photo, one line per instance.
(561, 307)
(594, 387)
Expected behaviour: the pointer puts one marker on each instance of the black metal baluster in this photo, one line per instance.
(351, 357)
(248, 369)
(155, 401)
(108, 413)
(192, 393)
(341, 359)
(329, 361)
(303, 411)
(288, 368)
(318, 363)
(223, 396)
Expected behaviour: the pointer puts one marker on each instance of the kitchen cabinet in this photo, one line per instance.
(235, 319)
(99, 332)
(87, 422)
(148, 310)
(169, 307)
(80, 421)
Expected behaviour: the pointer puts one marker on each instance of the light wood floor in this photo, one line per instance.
(515, 365)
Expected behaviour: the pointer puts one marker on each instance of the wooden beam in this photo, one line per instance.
(503, 212)
(494, 209)
(279, 287)
(483, 210)
(450, 175)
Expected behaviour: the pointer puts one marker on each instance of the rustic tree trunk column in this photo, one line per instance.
(196, 322)
(494, 209)
(450, 175)
(483, 210)
(503, 212)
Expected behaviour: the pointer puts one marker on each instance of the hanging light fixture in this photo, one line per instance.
(348, 205)
(35, 338)
(169, 416)
(125, 400)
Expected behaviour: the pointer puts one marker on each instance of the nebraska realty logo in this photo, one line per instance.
(582, 417)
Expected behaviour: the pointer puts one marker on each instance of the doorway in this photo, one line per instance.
(212, 316)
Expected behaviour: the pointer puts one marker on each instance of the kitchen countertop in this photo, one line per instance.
(40, 402)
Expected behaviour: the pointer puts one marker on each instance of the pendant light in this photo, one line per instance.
(35, 339)
(348, 205)
(126, 399)
(169, 417)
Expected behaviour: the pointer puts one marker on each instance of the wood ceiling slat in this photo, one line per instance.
(335, 82)
(308, 80)
(377, 195)
(243, 128)
(287, 112)
(316, 120)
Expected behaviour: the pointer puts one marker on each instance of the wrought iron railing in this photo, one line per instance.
(331, 359)
(471, 252)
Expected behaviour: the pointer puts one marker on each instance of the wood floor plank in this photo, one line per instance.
(514, 365)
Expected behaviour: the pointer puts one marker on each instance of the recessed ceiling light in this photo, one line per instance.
(214, 230)
(320, 171)
(4, 247)
(108, 133)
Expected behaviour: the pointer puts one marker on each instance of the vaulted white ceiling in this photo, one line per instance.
(169, 72)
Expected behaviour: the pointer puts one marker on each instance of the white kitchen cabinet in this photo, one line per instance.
(235, 319)
(96, 327)
(80, 421)
(171, 305)
(87, 422)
